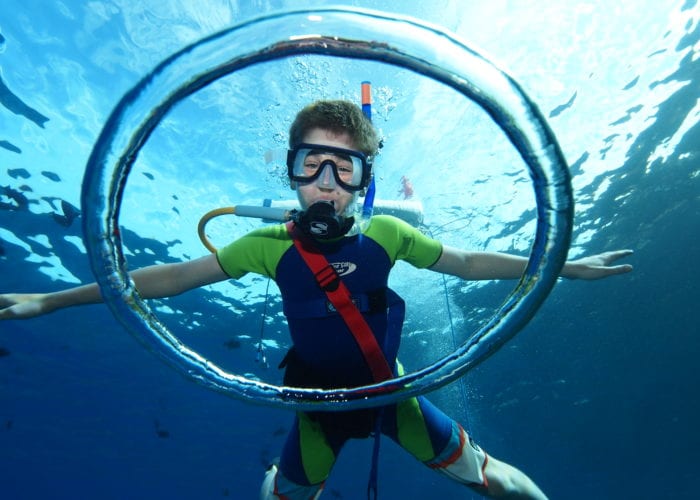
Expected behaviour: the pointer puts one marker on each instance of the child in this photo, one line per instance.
(332, 145)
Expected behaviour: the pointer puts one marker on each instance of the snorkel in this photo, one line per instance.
(368, 205)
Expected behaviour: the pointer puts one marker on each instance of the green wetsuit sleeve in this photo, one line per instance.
(257, 252)
(404, 242)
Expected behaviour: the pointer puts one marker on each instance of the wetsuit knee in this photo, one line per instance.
(462, 459)
(276, 487)
(267, 490)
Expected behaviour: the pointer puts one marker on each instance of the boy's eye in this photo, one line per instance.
(343, 162)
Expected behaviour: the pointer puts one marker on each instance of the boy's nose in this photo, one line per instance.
(327, 179)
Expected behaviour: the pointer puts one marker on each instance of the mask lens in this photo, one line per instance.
(307, 162)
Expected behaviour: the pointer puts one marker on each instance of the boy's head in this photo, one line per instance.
(337, 116)
(329, 163)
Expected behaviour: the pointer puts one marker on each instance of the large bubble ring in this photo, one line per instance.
(340, 32)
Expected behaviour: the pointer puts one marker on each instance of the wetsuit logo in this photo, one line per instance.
(344, 268)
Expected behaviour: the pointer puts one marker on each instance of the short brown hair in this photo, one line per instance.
(337, 116)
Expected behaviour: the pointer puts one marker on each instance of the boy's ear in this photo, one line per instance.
(293, 185)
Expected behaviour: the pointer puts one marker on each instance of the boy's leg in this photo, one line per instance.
(505, 481)
(306, 462)
(436, 440)
(276, 487)
(442, 444)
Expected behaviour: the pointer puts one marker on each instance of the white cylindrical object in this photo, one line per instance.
(410, 211)
(269, 213)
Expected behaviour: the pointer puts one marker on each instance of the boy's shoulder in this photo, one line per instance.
(270, 231)
(402, 241)
(386, 222)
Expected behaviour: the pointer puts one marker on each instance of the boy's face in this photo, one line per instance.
(324, 188)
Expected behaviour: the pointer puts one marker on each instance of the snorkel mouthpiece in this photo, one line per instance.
(321, 222)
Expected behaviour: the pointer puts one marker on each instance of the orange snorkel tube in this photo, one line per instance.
(367, 99)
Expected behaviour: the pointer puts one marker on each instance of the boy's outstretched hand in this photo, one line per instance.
(22, 305)
(597, 266)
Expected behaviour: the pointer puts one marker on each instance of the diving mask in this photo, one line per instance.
(351, 170)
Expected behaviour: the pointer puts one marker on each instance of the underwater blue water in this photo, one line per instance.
(595, 398)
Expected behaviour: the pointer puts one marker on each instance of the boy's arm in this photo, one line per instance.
(497, 266)
(163, 280)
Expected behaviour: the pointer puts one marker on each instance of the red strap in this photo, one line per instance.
(340, 297)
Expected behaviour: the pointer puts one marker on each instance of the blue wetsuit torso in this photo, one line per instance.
(322, 342)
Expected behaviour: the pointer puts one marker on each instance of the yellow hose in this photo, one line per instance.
(206, 218)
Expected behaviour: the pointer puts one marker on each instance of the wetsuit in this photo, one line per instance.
(325, 353)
